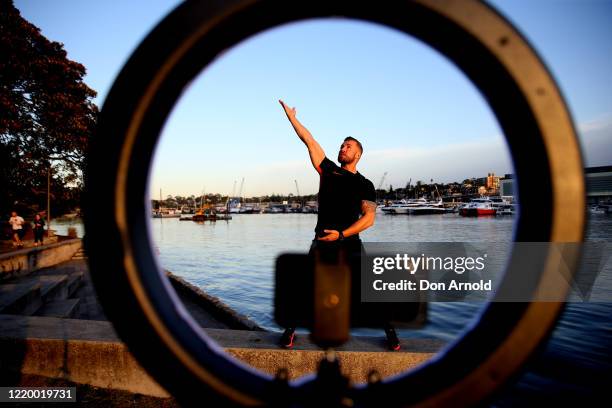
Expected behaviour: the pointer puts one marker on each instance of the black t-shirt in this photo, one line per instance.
(340, 195)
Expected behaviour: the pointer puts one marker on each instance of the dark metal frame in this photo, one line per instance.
(147, 313)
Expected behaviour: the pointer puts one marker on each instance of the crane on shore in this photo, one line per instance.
(240, 192)
(382, 180)
(297, 188)
(233, 191)
(298, 194)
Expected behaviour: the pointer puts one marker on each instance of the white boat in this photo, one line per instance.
(478, 206)
(498, 202)
(508, 209)
(597, 209)
(428, 208)
(404, 206)
(167, 213)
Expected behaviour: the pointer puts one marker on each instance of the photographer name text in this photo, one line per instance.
(424, 284)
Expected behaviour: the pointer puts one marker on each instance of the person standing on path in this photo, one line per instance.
(347, 203)
(17, 225)
(39, 229)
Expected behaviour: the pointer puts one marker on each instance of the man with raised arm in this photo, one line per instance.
(347, 201)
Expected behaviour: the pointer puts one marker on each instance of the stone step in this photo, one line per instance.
(80, 254)
(67, 308)
(74, 277)
(75, 280)
(26, 296)
(52, 287)
(90, 309)
(20, 298)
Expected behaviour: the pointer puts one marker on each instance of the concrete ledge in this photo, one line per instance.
(81, 351)
(89, 352)
(24, 261)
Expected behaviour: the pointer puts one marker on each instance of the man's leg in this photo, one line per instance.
(288, 337)
(355, 250)
(392, 340)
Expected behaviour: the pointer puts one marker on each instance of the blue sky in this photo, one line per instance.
(418, 117)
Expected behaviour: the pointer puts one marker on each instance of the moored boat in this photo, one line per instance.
(428, 208)
(477, 207)
(404, 206)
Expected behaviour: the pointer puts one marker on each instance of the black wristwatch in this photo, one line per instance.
(340, 236)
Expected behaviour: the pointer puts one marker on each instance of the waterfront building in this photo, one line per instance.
(506, 188)
(599, 184)
(492, 182)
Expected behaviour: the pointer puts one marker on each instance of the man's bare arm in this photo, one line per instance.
(314, 149)
(368, 211)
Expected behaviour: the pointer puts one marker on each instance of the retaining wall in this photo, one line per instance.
(26, 260)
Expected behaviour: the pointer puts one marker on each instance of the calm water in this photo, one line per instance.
(234, 261)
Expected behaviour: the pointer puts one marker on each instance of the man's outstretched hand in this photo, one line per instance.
(289, 111)
(315, 151)
(332, 235)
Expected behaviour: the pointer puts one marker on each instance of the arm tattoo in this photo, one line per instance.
(368, 206)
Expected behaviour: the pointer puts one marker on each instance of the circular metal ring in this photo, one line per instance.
(138, 299)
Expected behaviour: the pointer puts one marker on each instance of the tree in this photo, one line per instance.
(47, 116)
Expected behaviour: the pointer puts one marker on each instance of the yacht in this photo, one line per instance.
(508, 209)
(428, 208)
(404, 206)
(498, 202)
(167, 213)
(479, 206)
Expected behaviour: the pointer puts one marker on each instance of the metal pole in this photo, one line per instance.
(49, 200)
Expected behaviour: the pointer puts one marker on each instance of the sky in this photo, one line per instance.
(417, 116)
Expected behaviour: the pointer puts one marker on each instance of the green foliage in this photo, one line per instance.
(46, 117)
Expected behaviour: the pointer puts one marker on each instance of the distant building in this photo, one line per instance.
(598, 184)
(506, 188)
(492, 182)
(480, 182)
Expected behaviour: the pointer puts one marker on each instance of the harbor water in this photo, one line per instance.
(234, 260)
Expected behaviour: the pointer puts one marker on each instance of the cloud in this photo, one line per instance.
(603, 122)
(596, 140)
(446, 163)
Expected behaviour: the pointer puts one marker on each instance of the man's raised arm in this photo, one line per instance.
(314, 149)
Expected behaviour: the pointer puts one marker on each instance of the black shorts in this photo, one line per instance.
(353, 247)
(20, 233)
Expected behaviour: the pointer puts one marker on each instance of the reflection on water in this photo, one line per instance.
(235, 260)
(61, 226)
